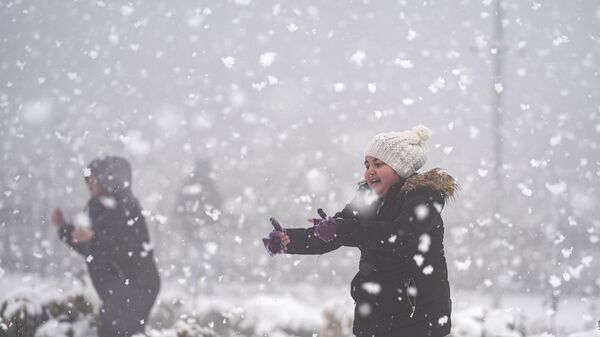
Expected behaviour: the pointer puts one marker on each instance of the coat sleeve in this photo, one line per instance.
(418, 214)
(304, 241)
(65, 235)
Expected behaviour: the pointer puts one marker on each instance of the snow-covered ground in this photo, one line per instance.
(288, 310)
(573, 313)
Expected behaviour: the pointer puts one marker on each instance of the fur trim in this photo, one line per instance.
(436, 180)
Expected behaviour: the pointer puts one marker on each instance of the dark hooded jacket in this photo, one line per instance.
(401, 288)
(119, 256)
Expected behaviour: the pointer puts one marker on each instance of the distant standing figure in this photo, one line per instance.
(199, 203)
(117, 248)
(401, 288)
(201, 226)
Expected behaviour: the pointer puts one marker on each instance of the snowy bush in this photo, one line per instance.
(591, 333)
(174, 307)
(44, 311)
(58, 328)
(168, 310)
(181, 329)
(233, 315)
(269, 312)
(480, 322)
(338, 318)
(24, 312)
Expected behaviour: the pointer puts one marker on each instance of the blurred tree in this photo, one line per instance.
(198, 210)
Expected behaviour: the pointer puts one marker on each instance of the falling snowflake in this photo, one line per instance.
(372, 288)
(228, 61)
(372, 87)
(555, 281)
(499, 87)
(560, 40)
(419, 259)
(558, 188)
(406, 64)
(408, 101)
(525, 190)
(267, 59)
(127, 10)
(463, 265)
(421, 212)
(424, 243)
(567, 252)
(357, 58)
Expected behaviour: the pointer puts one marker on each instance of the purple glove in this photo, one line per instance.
(325, 227)
(274, 243)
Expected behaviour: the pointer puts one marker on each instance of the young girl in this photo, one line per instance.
(401, 288)
(117, 248)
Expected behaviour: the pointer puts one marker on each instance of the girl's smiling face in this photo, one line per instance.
(379, 175)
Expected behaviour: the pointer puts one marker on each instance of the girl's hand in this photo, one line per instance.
(277, 240)
(285, 240)
(58, 218)
(81, 235)
(325, 229)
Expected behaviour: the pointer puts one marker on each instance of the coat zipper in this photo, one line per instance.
(380, 207)
(413, 304)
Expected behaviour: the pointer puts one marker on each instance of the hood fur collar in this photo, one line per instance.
(436, 180)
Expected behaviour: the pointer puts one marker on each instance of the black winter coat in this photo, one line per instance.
(119, 256)
(401, 288)
(120, 251)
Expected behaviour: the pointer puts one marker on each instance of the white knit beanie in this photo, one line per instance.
(405, 152)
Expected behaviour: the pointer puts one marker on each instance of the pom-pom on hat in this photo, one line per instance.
(405, 152)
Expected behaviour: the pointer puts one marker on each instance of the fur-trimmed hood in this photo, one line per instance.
(435, 179)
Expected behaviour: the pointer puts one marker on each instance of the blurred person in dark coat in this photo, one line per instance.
(116, 246)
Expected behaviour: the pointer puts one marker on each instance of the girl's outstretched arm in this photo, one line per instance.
(304, 241)
(420, 214)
